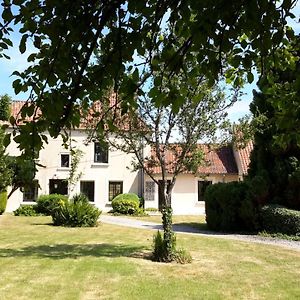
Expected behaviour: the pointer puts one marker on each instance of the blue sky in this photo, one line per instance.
(18, 62)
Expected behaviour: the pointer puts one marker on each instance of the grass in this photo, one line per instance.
(40, 261)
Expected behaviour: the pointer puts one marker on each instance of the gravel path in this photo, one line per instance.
(134, 223)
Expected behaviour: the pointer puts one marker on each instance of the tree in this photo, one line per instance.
(5, 172)
(5, 102)
(22, 173)
(275, 161)
(229, 39)
(166, 132)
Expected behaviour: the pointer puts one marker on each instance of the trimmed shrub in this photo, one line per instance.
(47, 203)
(127, 204)
(3, 201)
(228, 208)
(158, 246)
(278, 219)
(159, 252)
(26, 210)
(77, 212)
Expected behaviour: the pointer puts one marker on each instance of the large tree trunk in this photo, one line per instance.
(169, 236)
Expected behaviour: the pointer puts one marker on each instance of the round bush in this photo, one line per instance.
(3, 201)
(127, 204)
(47, 203)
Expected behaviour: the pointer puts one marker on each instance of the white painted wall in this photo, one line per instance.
(117, 169)
(185, 193)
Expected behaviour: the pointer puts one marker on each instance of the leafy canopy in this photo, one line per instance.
(228, 39)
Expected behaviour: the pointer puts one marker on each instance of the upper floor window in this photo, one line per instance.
(65, 160)
(100, 153)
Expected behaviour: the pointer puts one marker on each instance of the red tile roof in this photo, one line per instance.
(95, 114)
(244, 157)
(218, 161)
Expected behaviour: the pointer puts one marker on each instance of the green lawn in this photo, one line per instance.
(40, 261)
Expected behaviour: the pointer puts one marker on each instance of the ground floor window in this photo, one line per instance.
(88, 188)
(58, 186)
(202, 186)
(149, 191)
(30, 193)
(115, 188)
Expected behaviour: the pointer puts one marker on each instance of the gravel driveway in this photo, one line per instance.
(134, 223)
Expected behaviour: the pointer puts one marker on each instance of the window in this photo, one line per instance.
(149, 190)
(30, 193)
(100, 153)
(88, 188)
(202, 186)
(115, 188)
(58, 186)
(65, 160)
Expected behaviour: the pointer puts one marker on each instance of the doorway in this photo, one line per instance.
(58, 186)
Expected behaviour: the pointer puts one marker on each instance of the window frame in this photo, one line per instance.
(86, 194)
(111, 183)
(100, 154)
(69, 161)
(34, 193)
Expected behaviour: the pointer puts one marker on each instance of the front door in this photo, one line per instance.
(160, 192)
(58, 186)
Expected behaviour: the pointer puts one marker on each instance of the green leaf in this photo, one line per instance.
(250, 77)
(6, 140)
(22, 46)
(17, 86)
(3, 46)
(37, 42)
(8, 42)
(31, 57)
(135, 75)
(12, 120)
(7, 14)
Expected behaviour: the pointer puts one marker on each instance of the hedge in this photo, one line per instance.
(228, 208)
(278, 219)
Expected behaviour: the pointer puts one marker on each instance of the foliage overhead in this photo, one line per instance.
(133, 38)
(275, 160)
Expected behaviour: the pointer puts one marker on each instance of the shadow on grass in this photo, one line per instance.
(195, 225)
(73, 251)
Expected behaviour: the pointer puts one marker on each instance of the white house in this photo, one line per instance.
(223, 165)
(104, 173)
